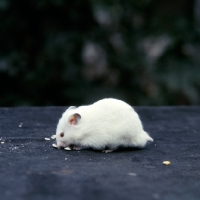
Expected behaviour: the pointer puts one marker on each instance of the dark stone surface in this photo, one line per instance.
(30, 168)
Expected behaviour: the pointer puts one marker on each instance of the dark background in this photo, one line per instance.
(71, 52)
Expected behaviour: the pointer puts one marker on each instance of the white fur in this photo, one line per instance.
(108, 123)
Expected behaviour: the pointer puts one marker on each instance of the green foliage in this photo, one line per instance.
(75, 52)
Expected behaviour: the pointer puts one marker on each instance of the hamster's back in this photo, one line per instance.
(110, 103)
(112, 112)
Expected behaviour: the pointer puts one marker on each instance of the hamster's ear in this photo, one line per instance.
(74, 119)
(71, 107)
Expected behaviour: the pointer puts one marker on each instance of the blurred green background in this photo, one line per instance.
(72, 52)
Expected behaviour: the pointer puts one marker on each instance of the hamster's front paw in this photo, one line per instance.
(107, 150)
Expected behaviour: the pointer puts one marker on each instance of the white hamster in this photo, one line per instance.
(105, 125)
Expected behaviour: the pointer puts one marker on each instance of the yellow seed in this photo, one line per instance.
(166, 162)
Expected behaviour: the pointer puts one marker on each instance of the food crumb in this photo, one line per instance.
(20, 125)
(55, 146)
(132, 174)
(166, 162)
(68, 148)
(47, 138)
(53, 137)
(2, 142)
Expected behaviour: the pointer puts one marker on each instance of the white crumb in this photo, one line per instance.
(53, 137)
(55, 146)
(68, 148)
(132, 174)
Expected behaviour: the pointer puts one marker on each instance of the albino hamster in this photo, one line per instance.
(105, 125)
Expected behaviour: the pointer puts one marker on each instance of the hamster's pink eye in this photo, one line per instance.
(61, 134)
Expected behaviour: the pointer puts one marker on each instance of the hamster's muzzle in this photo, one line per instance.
(61, 144)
